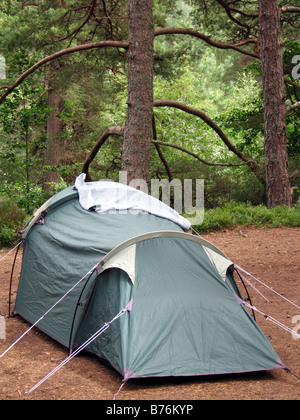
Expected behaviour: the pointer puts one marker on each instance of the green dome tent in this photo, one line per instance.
(186, 314)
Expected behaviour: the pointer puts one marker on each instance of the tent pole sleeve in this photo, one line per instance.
(11, 278)
(249, 298)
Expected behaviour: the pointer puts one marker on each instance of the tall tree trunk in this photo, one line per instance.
(54, 148)
(138, 128)
(276, 157)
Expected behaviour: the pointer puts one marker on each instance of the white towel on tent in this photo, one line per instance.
(105, 196)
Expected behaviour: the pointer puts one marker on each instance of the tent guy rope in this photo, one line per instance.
(237, 267)
(279, 324)
(268, 287)
(90, 272)
(272, 319)
(106, 325)
(9, 252)
(253, 287)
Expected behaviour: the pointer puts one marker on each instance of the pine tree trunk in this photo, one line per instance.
(276, 157)
(138, 129)
(54, 147)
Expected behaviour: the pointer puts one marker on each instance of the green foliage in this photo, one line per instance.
(234, 102)
(293, 135)
(10, 214)
(11, 220)
(7, 236)
(290, 50)
(235, 214)
(93, 87)
(22, 117)
(28, 197)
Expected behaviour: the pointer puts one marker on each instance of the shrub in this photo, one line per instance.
(11, 220)
(10, 214)
(7, 236)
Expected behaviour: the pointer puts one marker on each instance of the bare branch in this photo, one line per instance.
(243, 13)
(231, 17)
(293, 107)
(253, 165)
(195, 155)
(75, 32)
(159, 151)
(119, 131)
(291, 82)
(114, 130)
(108, 18)
(29, 4)
(207, 120)
(290, 9)
(114, 70)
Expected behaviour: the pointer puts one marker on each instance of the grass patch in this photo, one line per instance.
(227, 217)
(235, 214)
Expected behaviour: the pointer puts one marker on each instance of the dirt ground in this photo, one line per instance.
(272, 255)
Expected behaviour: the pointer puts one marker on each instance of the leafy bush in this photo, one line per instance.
(11, 220)
(7, 236)
(10, 214)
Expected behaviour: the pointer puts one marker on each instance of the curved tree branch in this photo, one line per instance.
(207, 120)
(119, 131)
(110, 131)
(229, 11)
(100, 44)
(243, 13)
(208, 40)
(159, 151)
(217, 44)
(125, 45)
(195, 155)
(254, 166)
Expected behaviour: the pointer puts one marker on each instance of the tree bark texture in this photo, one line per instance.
(54, 142)
(276, 157)
(138, 128)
